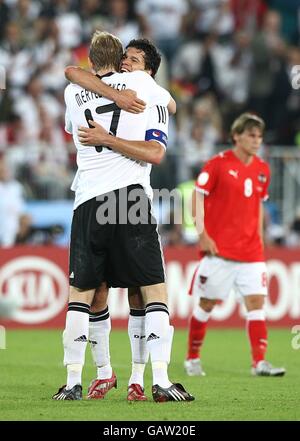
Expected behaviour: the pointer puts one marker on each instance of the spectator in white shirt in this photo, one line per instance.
(11, 206)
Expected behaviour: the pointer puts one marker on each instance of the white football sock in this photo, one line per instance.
(159, 369)
(160, 374)
(74, 375)
(137, 374)
(99, 332)
(139, 349)
(200, 314)
(104, 372)
(75, 338)
(158, 341)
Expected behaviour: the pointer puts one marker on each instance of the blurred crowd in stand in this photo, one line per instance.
(220, 58)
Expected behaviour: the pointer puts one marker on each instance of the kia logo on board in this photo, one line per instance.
(38, 284)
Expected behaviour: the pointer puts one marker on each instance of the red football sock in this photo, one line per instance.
(257, 332)
(197, 331)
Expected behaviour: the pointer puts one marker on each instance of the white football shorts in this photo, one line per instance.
(215, 277)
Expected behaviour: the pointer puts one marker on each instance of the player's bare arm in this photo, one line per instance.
(148, 151)
(125, 99)
(207, 244)
(172, 106)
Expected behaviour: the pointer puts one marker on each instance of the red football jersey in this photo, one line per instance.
(234, 192)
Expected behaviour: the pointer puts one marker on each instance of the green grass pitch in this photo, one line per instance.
(31, 371)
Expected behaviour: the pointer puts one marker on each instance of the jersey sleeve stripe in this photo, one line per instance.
(159, 114)
(162, 114)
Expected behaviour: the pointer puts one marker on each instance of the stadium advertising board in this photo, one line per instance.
(34, 283)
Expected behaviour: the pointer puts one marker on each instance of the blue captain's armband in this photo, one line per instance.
(156, 135)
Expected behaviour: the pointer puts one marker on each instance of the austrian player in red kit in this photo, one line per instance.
(234, 185)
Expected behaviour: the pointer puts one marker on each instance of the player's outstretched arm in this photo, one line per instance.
(147, 151)
(125, 99)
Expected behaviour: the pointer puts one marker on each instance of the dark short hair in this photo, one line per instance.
(152, 57)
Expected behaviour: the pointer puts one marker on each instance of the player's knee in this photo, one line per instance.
(135, 298)
(79, 295)
(97, 307)
(155, 293)
(207, 304)
(254, 302)
(99, 302)
(135, 303)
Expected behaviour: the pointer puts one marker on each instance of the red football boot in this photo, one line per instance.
(99, 388)
(136, 393)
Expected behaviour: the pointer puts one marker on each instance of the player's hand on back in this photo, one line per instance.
(208, 245)
(92, 136)
(128, 100)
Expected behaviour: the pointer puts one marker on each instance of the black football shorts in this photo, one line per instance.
(114, 239)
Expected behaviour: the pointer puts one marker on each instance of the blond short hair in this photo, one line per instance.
(106, 51)
(246, 121)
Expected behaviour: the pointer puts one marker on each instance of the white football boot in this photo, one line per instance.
(193, 367)
(265, 369)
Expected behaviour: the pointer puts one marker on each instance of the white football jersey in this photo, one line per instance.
(100, 169)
